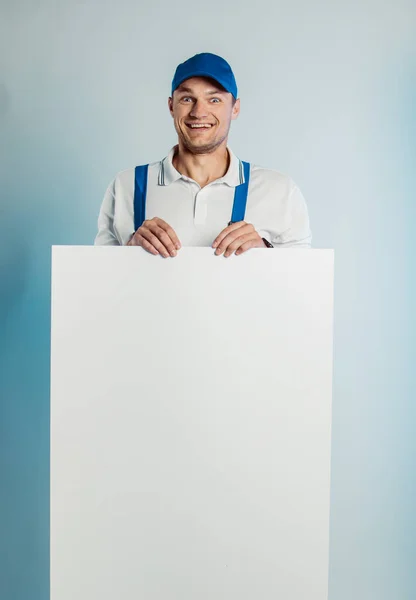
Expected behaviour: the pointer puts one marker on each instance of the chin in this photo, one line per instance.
(202, 147)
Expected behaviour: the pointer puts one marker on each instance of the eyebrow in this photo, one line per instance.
(190, 91)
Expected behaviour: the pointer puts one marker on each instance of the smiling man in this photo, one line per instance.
(201, 194)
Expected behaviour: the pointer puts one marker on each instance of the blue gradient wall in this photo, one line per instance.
(328, 96)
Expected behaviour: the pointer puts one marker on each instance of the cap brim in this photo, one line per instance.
(202, 74)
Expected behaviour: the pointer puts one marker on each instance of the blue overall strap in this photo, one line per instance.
(140, 191)
(240, 196)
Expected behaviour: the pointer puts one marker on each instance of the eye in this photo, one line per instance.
(216, 99)
(185, 98)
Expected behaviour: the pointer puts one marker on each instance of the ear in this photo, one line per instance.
(236, 110)
(170, 104)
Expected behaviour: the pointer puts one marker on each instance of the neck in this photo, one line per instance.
(202, 168)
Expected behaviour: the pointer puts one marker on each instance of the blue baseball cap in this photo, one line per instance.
(206, 65)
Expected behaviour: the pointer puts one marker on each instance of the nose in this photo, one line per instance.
(199, 110)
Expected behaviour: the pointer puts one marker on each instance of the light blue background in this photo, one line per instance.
(328, 94)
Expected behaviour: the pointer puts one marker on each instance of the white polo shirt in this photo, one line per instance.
(275, 205)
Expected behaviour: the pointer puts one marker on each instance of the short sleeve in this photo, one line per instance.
(106, 235)
(298, 233)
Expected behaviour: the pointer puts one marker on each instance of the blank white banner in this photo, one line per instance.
(190, 424)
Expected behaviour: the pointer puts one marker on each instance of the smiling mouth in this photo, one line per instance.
(199, 126)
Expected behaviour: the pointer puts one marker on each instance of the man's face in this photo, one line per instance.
(202, 114)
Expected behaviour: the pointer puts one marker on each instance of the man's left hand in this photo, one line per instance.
(237, 237)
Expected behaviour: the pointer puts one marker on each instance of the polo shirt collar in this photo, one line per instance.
(233, 177)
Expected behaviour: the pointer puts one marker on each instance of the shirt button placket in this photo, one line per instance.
(200, 207)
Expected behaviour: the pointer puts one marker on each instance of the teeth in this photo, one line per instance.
(194, 126)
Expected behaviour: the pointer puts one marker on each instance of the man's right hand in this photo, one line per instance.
(157, 237)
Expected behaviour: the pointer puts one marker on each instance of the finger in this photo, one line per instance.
(142, 241)
(223, 234)
(151, 228)
(230, 229)
(246, 246)
(154, 240)
(233, 236)
(131, 241)
(236, 244)
(170, 231)
(134, 240)
(162, 235)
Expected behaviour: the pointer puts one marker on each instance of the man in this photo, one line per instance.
(201, 194)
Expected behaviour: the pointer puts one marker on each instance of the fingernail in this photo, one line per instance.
(214, 245)
(178, 246)
(173, 253)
